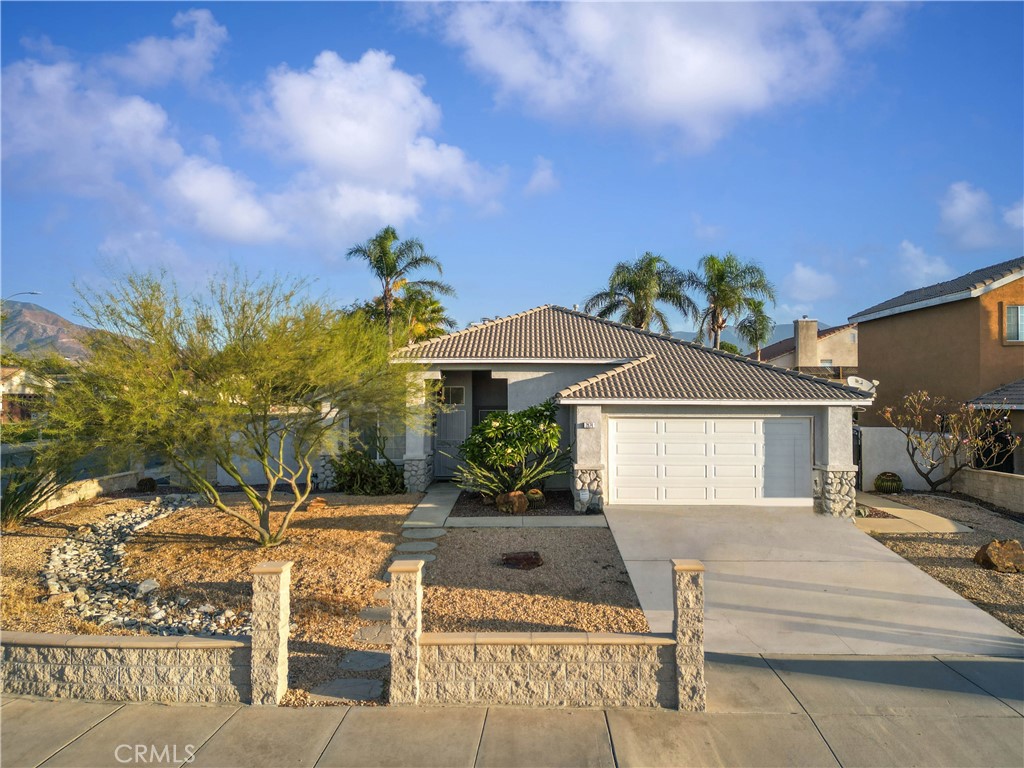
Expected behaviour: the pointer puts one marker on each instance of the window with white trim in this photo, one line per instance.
(1014, 323)
(453, 395)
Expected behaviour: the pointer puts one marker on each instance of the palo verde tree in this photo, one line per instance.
(943, 437)
(246, 371)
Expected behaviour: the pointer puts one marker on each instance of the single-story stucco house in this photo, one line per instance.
(651, 419)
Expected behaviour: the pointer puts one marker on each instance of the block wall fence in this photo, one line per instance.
(548, 669)
(161, 669)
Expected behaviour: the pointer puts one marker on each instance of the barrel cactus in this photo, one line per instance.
(889, 482)
(536, 497)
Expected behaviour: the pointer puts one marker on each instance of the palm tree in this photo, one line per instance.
(728, 285)
(424, 316)
(756, 328)
(392, 261)
(636, 288)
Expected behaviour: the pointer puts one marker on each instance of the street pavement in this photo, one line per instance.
(762, 711)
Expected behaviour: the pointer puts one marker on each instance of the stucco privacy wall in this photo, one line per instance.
(884, 449)
(194, 670)
(999, 488)
(548, 669)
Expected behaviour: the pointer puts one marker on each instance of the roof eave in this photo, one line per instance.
(971, 293)
(568, 400)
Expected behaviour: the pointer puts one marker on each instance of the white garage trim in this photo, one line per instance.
(736, 460)
(562, 400)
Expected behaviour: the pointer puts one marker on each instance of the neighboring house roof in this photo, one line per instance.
(647, 366)
(1009, 396)
(780, 348)
(967, 286)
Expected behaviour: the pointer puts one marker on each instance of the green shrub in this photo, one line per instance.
(889, 482)
(146, 485)
(512, 451)
(27, 487)
(356, 473)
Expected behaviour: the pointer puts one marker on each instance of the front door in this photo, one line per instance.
(452, 430)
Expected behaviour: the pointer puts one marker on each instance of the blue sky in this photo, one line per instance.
(855, 151)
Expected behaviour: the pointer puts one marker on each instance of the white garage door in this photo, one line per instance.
(709, 460)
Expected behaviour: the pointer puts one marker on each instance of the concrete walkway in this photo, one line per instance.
(787, 580)
(763, 711)
(905, 519)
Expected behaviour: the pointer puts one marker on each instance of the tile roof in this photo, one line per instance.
(650, 366)
(1010, 396)
(946, 291)
(780, 348)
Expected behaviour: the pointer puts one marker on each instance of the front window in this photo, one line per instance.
(827, 363)
(1015, 323)
(454, 395)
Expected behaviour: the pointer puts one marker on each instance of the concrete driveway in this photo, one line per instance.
(789, 581)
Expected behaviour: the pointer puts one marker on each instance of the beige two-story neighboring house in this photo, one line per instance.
(959, 339)
(827, 352)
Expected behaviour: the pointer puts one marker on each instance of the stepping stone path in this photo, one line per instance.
(383, 595)
(365, 661)
(376, 613)
(416, 546)
(375, 634)
(351, 688)
(424, 533)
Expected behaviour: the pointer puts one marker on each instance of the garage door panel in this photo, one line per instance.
(736, 471)
(685, 427)
(736, 426)
(687, 494)
(636, 426)
(642, 471)
(690, 471)
(734, 449)
(735, 493)
(686, 449)
(643, 493)
(636, 449)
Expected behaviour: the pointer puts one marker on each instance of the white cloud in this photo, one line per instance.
(919, 268)
(543, 179)
(690, 67)
(702, 230)
(220, 203)
(142, 249)
(806, 285)
(1014, 215)
(188, 56)
(968, 216)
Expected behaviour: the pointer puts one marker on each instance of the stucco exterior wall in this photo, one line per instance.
(883, 449)
(840, 347)
(953, 350)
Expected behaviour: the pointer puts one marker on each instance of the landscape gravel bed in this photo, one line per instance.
(582, 586)
(557, 503)
(948, 557)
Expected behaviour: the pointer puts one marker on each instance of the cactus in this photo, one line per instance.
(889, 482)
(535, 496)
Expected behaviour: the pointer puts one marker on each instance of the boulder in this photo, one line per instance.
(146, 587)
(513, 503)
(316, 504)
(1005, 556)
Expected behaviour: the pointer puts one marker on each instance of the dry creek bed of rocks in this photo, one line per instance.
(86, 574)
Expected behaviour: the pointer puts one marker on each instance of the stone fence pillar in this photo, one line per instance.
(406, 627)
(270, 617)
(688, 585)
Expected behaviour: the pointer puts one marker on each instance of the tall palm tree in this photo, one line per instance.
(636, 288)
(757, 327)
(424, 316)
(392, 262)
(728, 285)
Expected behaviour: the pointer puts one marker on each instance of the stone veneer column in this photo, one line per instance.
(270, 616)
(839, 491)
(688, 584)
(406, 627)
(418, 473)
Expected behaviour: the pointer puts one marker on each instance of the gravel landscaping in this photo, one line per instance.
(557, 502)
(948, 557)
(582, 586)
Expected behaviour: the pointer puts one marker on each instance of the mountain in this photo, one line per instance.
(29, 329)
(782, 331)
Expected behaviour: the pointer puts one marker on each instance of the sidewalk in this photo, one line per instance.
(763, 710)
(908, 519)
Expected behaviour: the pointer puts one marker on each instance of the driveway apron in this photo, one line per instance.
(785, 580)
